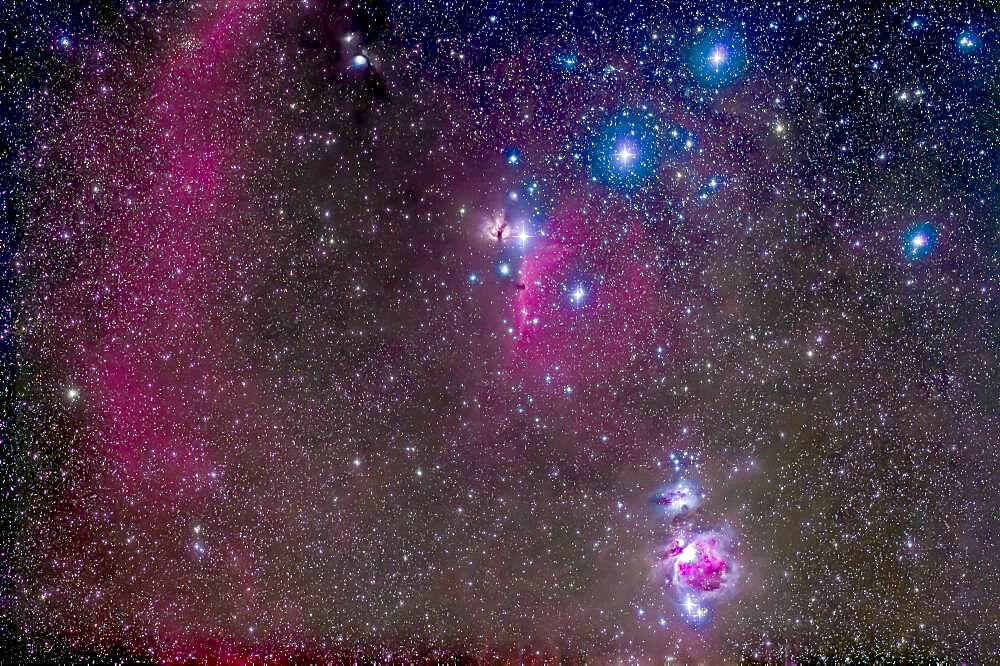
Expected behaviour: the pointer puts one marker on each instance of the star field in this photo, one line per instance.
(451, 331)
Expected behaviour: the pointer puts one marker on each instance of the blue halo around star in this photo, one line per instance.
(968, 41)
(627, 150)
(567, 62)
(512, 157)
(919, 241)
(718, 58)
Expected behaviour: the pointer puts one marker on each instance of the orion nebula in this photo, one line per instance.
(474, 331)
(701, 567)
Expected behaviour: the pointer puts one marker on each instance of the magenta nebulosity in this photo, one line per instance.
(587, 331)
(701, 570)
(702, 565)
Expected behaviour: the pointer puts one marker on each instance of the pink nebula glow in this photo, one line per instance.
(585, 302)
(700, 569)
(701, 566)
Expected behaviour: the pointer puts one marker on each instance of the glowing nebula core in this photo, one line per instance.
(701, 565)
(700, 568)
(677, 499)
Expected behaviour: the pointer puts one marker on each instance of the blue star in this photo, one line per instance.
(713, 185)
(567, 61)
(577, 293)
(718, 58)
(968, 41)
(919, 241)
(627, 150)
(512, 156)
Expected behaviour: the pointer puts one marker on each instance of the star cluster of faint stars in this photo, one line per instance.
(444, 330)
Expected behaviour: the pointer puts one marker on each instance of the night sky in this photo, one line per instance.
(444, 330)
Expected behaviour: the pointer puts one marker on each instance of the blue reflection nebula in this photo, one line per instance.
(919, 240)
(627, 150)
(968, 41)
(718, 58)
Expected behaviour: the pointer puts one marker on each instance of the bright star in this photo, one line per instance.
(919, 240)
(625, 154)
(718, 57)
(512, 156)
(968, 41)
